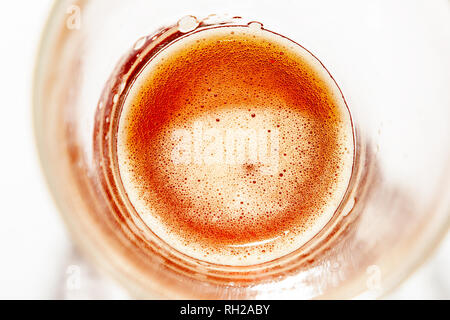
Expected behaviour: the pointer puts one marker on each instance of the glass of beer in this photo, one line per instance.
(246, 150)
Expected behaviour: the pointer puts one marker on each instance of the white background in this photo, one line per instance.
(35, 250)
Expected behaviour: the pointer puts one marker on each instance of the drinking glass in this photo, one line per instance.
(390, 60)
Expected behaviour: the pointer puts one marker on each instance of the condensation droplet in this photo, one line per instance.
(140, 43)
(122, 86)
(255, 25)
(187, 24)
(349, 206)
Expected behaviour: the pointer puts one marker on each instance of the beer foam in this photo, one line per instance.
(235, 145)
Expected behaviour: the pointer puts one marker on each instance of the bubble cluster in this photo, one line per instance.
(234, 145)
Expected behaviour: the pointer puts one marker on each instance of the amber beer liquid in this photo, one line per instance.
(235, 145)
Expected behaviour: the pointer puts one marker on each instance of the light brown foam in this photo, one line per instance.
(206, 203)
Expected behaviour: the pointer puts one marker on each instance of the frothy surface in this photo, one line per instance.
(235, 146)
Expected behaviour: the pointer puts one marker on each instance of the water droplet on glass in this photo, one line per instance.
(255, 25)
(349, 206)
(187, 24)
(138, 44)
(122, 86)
